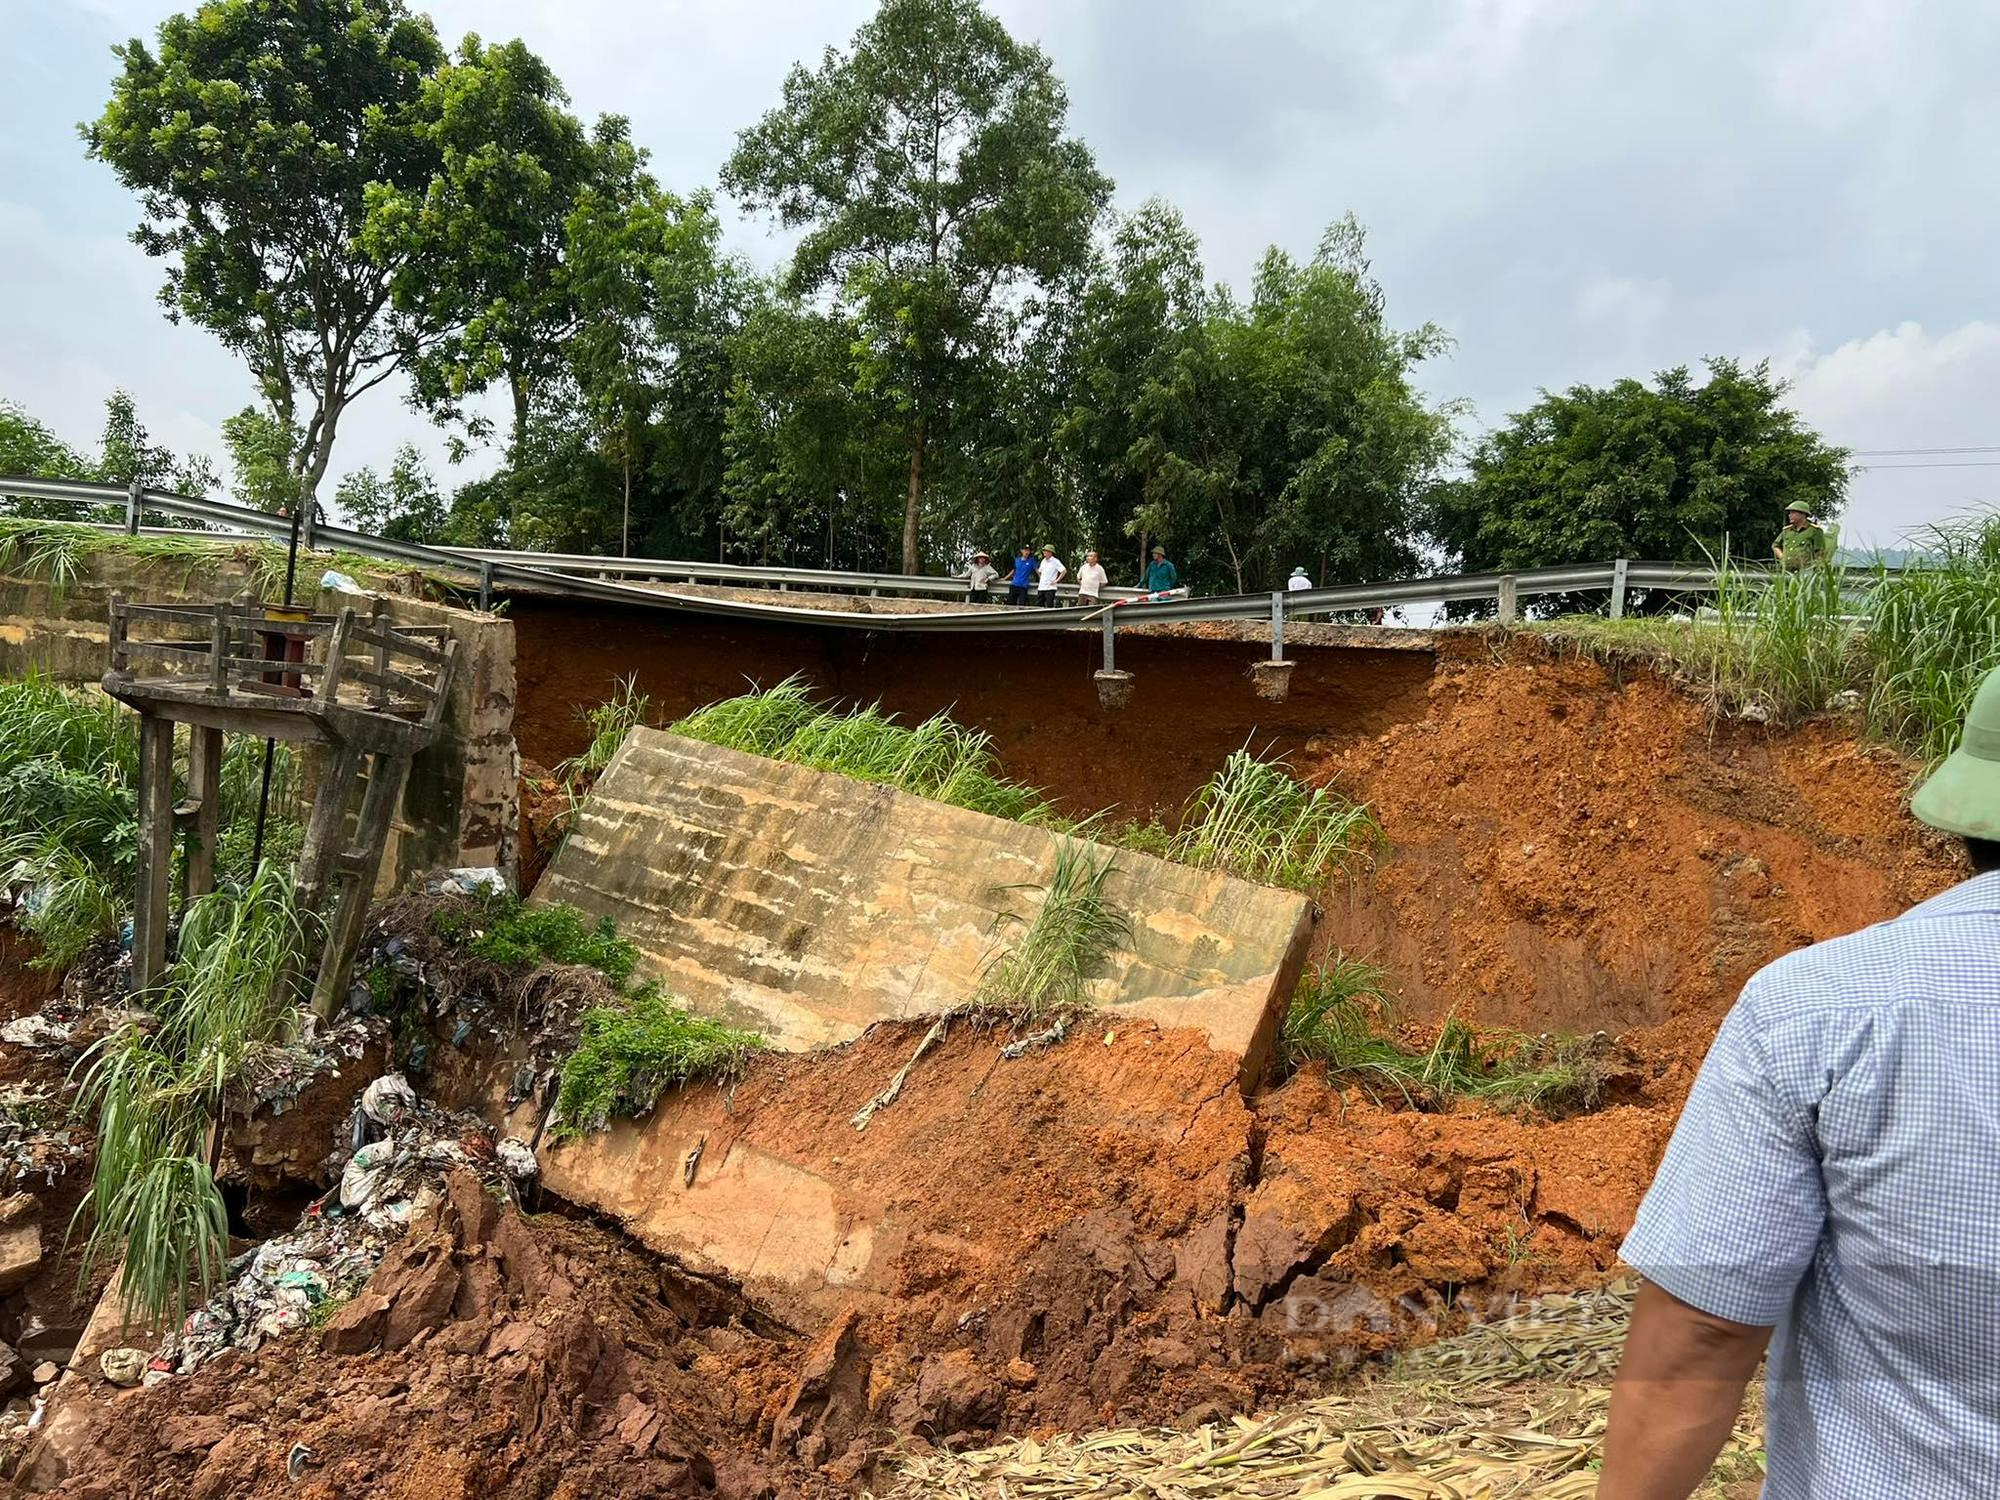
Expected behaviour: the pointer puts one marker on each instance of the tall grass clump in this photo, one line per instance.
(1256, 820)
(938, 758)
(610, 721)
(1341, 1016)
(69, 813)
(1065, 945)
(158, 1084)
(1933, 633)
(627, 1055)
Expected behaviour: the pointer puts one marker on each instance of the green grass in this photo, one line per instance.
(1910, 646)
(1256, 820)
(503, 929)
(1342, 1016)
(610, 721)
(938, 758)
(157, 1085)
(69, 813)
(627, 1055)
(1064, 946)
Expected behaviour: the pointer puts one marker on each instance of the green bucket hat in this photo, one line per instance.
(1793, 505)
(1962, 795)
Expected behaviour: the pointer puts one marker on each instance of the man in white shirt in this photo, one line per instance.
(1298, 582)
(1090, 579)
(1048, 573)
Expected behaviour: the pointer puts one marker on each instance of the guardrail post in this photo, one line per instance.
(132, 509)
(1110, 638)
(486, 584)
(1618, 589)
(1277, 625)
(306, 520)
(1509, 606)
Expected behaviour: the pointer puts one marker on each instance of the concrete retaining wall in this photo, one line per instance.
(808, 906)
(462, 805)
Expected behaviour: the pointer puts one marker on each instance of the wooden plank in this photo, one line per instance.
(416, 687)
(326, 824)
(205, 793)
(397, 642)
(363, 860)
(156, 850)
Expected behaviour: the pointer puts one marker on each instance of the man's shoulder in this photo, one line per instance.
(1948, 937)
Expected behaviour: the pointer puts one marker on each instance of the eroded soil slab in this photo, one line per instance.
(809, 906)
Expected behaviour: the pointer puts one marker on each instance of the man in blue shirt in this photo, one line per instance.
(1021, 582)
(1833, 1191)
(1161, 576)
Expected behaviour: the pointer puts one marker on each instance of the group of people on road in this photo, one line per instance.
(1034, 580)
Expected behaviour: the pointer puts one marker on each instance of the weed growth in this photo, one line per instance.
(1072, 933)
(627, 1055)
(157, 1085)
(1256, 820)
(1910, 645)
(1341, 1016)
(938, 758)
(503, 929)
(610, 721)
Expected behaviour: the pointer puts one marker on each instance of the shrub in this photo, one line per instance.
(1256, 820)
(1072, 933)
(627, 1055)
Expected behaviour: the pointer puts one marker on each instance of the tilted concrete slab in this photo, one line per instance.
(808, 906)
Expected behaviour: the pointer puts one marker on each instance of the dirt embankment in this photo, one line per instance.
(1192, 704)
(1574, 848)
(1105, 1230)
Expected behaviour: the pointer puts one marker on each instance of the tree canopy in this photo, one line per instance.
(966, 345)
(1676, 470)
(931, 173)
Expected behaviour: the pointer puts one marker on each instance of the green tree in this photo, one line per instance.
(815, 464)
(479, 247)
(262, 450)
(1289, 430)
(128, 452)
(929, 169)
(404, 507)
(1145, 305)
(1667, 472)
(255, 137)
(29, 446)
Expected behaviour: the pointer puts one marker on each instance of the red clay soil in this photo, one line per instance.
(1104, 1231)
(1192, 702)
(1575, 849)
(491, 1357)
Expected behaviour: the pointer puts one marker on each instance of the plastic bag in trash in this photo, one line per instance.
(516, 1159)
(467, 880)
(388, 1100)
(340, 583)
(362, 1178)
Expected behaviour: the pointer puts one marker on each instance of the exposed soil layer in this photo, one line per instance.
(490, 1356)
(1192, 702)
(1574, 848)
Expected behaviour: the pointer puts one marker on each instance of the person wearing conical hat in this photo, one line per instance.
(1803, 542)
(979, 581)
(1832, 1195)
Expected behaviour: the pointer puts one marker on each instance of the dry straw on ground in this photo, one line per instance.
(1511, 1410)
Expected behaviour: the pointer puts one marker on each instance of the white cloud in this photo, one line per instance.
(1905, 388)
(1858, 55)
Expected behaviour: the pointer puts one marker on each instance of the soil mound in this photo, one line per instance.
(491, 1355)
(1578, 848)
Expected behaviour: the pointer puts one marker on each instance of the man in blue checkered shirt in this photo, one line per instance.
(1833, 1191)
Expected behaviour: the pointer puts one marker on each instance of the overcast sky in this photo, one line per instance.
(1576, 191)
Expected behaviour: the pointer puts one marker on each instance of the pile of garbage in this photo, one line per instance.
(39, 1137)
(273, 1076)
(402, 1147)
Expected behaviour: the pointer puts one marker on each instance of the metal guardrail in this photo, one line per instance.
(576, 576)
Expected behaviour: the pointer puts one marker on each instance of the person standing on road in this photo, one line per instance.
(979, 582)
(1090, 579)
(1833, 1190)
(1048, 573)
(1022, 579)
(1162, 575)
(1298, 583)
(1803, 542)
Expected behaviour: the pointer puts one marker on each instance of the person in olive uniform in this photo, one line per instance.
(1802, 544)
